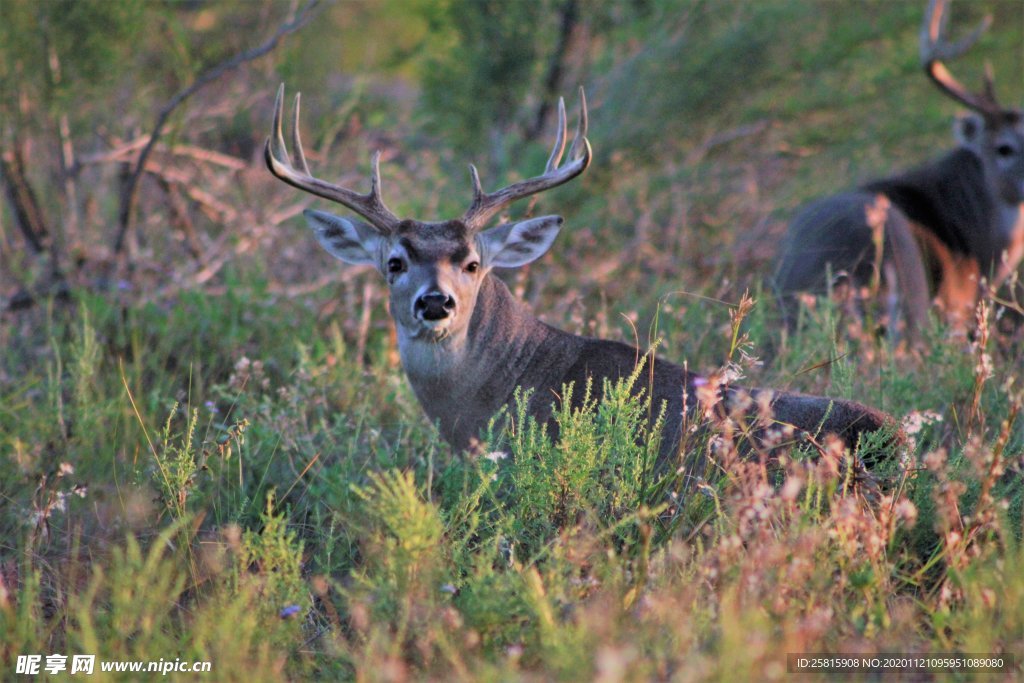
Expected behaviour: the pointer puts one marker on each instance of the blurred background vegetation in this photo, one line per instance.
(711, 121)
(170, 331)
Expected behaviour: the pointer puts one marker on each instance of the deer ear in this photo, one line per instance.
(516, 244)
(968, 129)
(351, 241)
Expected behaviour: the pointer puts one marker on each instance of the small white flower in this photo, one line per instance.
(495, 456)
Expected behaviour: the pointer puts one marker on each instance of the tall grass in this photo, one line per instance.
(301, 519)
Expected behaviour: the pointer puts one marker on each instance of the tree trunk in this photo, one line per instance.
(569, 14)
(26, 210)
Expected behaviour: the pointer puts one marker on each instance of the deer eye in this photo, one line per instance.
(395, 265)
(472, 266)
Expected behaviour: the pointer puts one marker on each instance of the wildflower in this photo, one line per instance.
(731, 373)
(917, 420)
(495, 456)
(987, 463)
(289, 611)
(740, 404)
(906, 511)
(791, 489)
(935, 460)
(984, 369)
(765, 414)
(449, 588)
(248, 372)
(211, 406)
(65, 469)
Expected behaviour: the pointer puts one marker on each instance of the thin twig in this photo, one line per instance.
(724, 138)
(125, 150)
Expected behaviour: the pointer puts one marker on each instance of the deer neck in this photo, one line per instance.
(464, 380)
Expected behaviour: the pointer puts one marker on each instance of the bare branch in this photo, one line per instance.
(212, 74)
(124, 151)
(24, 206)
(552, 81)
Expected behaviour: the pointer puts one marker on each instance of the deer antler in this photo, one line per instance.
(935, 50)
(370, 206)
(486, 205)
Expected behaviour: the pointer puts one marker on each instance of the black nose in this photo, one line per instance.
(434, 306)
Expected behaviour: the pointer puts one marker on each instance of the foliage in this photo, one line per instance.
(215, 456)
(384, 551)
(478, 82)
(57, 50)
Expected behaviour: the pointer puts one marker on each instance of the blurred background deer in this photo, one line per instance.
(936, 233)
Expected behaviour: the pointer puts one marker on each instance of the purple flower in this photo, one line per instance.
(289, 611)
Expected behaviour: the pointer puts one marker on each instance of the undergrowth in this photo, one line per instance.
(297, 517)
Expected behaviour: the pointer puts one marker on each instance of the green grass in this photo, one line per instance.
(316, 490)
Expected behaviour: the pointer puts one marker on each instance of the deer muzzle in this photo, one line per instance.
(434, 306)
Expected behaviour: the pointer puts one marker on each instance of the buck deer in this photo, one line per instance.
(466, 343)
(932, 233)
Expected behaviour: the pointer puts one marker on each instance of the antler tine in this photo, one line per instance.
(296, 139)
(375, 176)
(581, 125)
(934, 50)
(486, 205)
(276, 140)
(370, 206)
(559, 148)
(478, 191)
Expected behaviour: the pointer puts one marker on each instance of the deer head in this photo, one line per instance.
(433, 269)
(994, 132)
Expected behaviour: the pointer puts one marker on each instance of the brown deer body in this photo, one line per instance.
(945, 226)
(467, 344)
